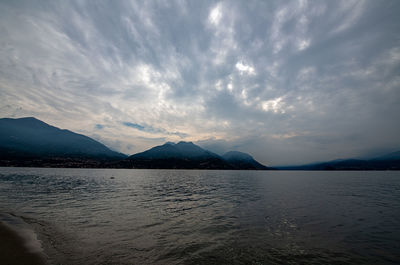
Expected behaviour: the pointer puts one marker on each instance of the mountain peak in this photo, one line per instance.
(181, 155)
(25, 123)
(23, 119)
(172, 150)
(28, 118)
(186, 143)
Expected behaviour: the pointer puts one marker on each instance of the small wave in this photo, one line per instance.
(23, 230)
(22, 241)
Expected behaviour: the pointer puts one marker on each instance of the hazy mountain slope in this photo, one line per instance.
(242, 160)
(391, 156)
(387, 162)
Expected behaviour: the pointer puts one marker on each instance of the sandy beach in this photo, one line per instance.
(13, 250)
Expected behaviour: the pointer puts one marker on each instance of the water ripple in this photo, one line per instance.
(208, 217)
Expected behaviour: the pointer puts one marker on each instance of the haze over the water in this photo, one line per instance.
(286, 81)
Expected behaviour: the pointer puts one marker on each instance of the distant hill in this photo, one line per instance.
(186, 155)
(386, 162)
(242, 160)
(28, 138)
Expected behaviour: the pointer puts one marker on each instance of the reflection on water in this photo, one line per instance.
(107, 216)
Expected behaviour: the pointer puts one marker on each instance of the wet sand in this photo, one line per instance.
(13, 250)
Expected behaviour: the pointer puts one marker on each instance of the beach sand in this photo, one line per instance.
(13, 250)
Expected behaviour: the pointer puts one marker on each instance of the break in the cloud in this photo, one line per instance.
(289, 82)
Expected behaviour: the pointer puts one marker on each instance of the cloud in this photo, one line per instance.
(215, 15)
(243, 68)
(134, 125)
(151, 129)
(274, 105)
(286, 81)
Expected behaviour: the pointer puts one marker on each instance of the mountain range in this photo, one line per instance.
(187, 155)
(31, 142)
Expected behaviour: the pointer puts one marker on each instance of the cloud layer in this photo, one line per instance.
(289, 82)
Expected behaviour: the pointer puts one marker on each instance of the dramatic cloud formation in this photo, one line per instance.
(287, 81)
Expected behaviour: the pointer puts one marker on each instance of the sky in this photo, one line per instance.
(289, 82)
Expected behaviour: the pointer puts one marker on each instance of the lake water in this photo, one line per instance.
(118, 216)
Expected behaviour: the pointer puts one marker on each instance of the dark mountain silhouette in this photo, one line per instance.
(179, 150)
(30, 138)
(386, 162)
(184, 155)
(242, 160)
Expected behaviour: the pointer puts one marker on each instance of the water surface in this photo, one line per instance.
(118, 216)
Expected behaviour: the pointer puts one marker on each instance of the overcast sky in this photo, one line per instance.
(289, 82)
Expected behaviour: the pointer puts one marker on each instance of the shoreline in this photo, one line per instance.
(172, 169)
(14, 249)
